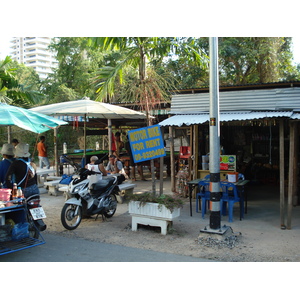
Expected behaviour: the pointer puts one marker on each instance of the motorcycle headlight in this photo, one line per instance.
(78, 188)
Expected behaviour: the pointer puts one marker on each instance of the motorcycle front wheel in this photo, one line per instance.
(112, 207)
(71, 216)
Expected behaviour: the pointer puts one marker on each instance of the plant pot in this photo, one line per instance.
(153, 210)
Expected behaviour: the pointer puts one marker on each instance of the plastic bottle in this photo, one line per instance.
(15, 191)
(19, 192)
(65, 150)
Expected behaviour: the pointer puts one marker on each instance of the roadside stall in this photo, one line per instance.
(258, 123)
(17, 230)
(19, 217)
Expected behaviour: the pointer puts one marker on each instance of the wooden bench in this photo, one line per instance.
(126, 190)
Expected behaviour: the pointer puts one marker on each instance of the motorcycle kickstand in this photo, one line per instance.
(103, 217)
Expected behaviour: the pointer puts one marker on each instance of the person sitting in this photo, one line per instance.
(15, 142)
(114, 165)
(99, 168)
(7, 152)
(23, 172)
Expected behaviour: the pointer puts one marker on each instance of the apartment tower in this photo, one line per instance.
(33, 52)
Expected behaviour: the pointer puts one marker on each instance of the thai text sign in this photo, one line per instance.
(146, 143)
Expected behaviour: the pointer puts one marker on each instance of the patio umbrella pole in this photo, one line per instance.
(84, 137)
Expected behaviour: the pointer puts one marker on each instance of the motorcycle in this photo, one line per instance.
(99, 199)
(34, 214)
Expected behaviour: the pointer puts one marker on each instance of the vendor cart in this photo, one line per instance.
(15, 231)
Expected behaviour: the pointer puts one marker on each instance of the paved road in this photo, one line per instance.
(64, 249)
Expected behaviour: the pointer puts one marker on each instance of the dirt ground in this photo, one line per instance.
(257, 238)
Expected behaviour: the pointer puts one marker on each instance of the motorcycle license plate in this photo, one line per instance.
(37, 213)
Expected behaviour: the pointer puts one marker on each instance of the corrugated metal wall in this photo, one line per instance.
(268, 99)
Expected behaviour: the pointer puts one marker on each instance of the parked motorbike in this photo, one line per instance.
(34, 214)
(99, 199)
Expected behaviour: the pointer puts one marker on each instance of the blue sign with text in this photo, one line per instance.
(146, 143)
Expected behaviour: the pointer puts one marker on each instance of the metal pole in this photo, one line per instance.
(214, 136)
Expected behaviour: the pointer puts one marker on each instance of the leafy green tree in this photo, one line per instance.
(255, 59)
(13, 86)
(77, 61)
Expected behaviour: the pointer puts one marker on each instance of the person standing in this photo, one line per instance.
(23, 172)
(42, 153)
(7, 152)
(133, 164)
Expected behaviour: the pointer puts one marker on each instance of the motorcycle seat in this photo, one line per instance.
(102, 184)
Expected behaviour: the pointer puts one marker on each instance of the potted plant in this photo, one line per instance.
(154, 210)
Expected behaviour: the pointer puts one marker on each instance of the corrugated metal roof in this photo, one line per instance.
(295, 116)
(190, 119)
(268, 100)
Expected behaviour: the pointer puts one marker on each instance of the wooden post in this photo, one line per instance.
(55, 153)
(109, 136)
(281, 175)
(172, 158)
(291, 174)
(161, 169)
(295, 166)
(195, 152)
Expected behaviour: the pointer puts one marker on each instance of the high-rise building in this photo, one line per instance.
(33, 52)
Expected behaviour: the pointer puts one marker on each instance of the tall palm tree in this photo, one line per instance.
(137, 53)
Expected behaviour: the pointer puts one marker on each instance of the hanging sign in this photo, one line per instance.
(227, 162)
(146, 143)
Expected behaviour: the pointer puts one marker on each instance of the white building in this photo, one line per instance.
(33, 52)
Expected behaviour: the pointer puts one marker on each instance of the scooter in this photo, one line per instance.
(34, 214)
(99, 199)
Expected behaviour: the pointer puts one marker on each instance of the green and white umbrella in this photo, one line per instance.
(27, 119)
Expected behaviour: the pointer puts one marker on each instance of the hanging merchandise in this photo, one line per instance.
(181, 182)
(65, 149)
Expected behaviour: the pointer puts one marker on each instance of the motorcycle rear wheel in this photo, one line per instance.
(33, 231)
(109, 213)
(68, 217)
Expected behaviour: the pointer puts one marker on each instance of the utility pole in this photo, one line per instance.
(214, 141)
(214, 135)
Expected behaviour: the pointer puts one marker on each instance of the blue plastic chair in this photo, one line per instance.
(203, 195)
(230, 196)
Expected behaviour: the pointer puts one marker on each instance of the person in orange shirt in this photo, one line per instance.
(42, 153)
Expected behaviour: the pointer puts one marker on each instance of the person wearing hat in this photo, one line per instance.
(23, 172)
(7, 152)
(99, 168)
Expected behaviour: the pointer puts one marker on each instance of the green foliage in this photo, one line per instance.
(170, 202)
(245, 60)
(18, 84)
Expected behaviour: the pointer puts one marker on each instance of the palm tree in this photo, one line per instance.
(137, 54)
(11, 91)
